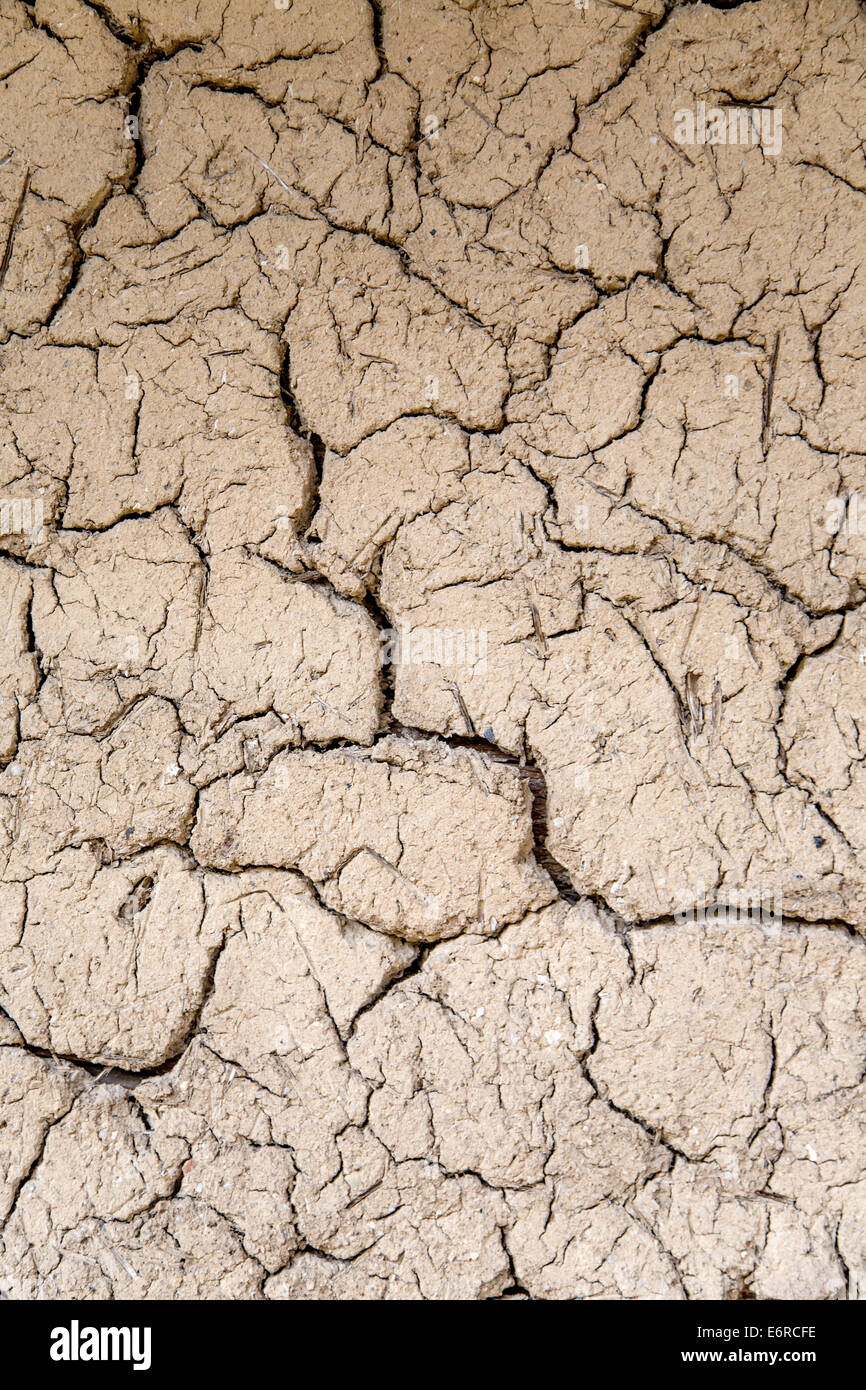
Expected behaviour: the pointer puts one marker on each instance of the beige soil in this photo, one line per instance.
(328, 976)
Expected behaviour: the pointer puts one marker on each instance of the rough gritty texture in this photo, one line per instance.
(526, 959)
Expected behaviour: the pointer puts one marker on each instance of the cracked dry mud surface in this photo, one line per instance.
(334, 965)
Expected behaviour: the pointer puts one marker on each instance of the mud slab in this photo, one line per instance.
(433, 686)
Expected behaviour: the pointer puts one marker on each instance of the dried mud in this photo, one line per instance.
(433, 686)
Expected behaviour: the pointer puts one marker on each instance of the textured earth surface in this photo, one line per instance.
(433, 675)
